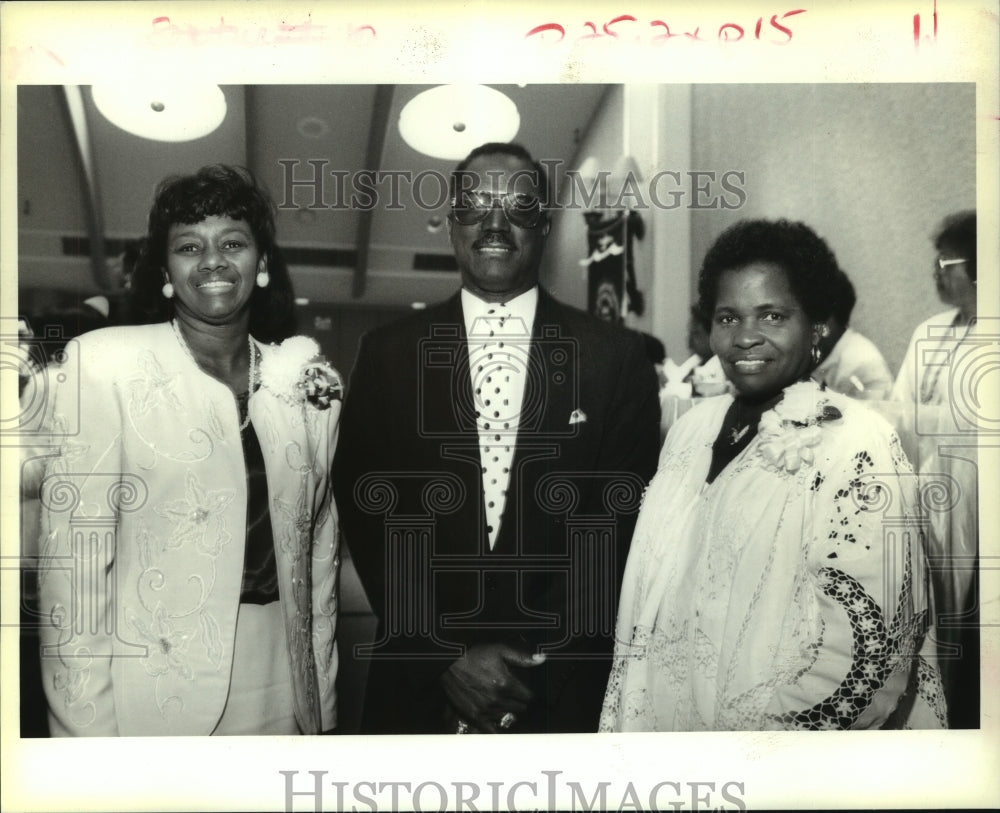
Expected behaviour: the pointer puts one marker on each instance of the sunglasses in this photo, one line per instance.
(524, 211)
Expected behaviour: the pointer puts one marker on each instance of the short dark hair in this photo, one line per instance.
(502, 148)
(958, 232)
(809, 264)
(702, 319)
(220, 190)
(844, 299)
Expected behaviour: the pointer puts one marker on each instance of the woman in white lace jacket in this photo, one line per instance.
(776, 576)
(188, 555)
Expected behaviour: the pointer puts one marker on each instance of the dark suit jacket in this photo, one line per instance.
(407, 481)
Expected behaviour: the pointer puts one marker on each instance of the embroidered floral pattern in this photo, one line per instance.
(71, 449)
(154, 388)
(166, 647)
(211, 638)
(296, 372)
(199, 518)
(293, 526)
(71, 681)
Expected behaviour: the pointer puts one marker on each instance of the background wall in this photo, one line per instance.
(652, 125)
(873, 168)
(561, 271)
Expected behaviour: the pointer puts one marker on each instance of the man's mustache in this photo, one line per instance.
(493, 239)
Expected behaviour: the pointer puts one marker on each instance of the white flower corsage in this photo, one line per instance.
(789, 432)
(296, 371)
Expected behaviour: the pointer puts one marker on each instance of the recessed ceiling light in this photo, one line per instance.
(312, 127)
(418, 306)
(162, 111)
(449, 121)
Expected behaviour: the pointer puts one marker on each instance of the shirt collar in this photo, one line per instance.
(521, 307)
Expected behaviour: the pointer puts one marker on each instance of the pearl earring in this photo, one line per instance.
(815, 354)
(168, 290)
(263, 279)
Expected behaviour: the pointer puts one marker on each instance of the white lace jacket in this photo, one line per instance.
(788, 594)
(142, 542)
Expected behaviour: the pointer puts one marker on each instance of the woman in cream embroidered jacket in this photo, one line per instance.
(144, 517)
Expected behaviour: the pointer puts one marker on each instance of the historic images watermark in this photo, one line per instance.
(547, 791)
(312, 184)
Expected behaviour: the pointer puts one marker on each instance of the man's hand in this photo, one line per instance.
(482, 686)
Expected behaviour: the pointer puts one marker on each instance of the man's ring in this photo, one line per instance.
(463, 727)
(507, 720)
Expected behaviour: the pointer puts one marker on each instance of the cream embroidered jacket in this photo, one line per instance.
(143, 537)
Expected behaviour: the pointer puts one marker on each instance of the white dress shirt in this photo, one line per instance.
(499, 342)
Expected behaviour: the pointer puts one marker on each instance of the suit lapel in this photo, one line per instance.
(444, 391)
(445, 388)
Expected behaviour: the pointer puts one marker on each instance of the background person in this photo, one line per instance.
(760, 590)
(850, 363)
(941, 440)
(493, 454)
(188, 554)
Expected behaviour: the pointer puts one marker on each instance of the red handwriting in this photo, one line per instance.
(20, 56)
(916, 26)
(166, 32)
(775, 32)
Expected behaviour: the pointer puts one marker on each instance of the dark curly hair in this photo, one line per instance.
(958, 233)
(225, 191)
(809, 264)
(844, 300)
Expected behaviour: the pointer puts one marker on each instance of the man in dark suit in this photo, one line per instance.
(492, 456)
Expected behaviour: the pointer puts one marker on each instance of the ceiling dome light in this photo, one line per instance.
(162, 111)
(312, 127)
(449, 121)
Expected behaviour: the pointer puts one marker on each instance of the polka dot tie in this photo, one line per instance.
(499, 345)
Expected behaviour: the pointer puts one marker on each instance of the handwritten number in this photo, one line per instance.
(619, 19)
(541, 29)
(727, 32)
(724, 32)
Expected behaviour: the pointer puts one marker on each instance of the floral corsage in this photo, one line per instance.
(789, 432)
(296, 371)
